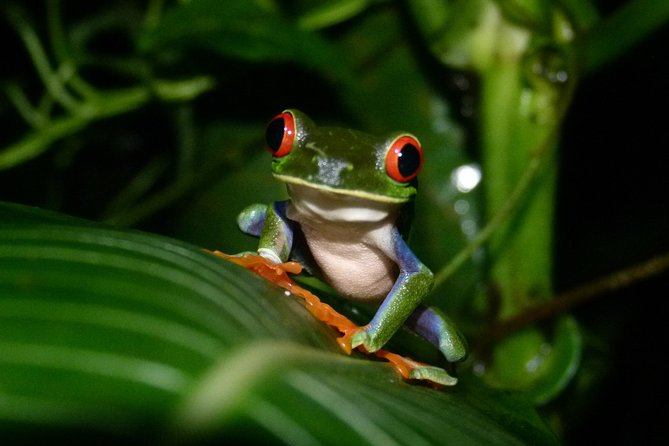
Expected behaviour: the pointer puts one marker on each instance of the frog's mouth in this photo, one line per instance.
(339, 191)
(336, 205)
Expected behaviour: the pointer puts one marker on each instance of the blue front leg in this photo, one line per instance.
(252, 219)
(280, 237)
(412, 285)
(402, 305)
(272, 226)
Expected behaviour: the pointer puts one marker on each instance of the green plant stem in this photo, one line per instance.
(332, 14)
(51, 79)
(105, 105)
(541, 153)
(616, 34)
(136, 188)
(154, 203)
(153, 12)
(187, 139)
(580, 295)
(502, 215)
(37, 141)
(62, 54)
(56, 34)
(165, 197)
(32, 116)
(520, 251)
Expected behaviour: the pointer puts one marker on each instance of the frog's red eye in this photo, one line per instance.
(404, 159)
(280, 134)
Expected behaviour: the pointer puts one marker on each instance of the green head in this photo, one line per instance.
(343, 161)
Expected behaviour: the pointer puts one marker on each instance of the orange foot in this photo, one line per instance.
(278, 274)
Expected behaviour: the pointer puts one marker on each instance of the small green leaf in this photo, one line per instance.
(331, 13)
(539, 365)
(243, 30)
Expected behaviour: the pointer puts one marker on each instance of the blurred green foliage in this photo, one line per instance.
(150, 115)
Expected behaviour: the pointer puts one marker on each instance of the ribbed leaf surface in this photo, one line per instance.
(108, 334)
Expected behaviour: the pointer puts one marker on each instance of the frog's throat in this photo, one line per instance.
(351, 193)
(321, 206)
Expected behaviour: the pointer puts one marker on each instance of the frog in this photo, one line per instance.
(351, 201)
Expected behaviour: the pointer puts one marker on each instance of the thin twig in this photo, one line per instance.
(22, 104)
(566, 301)
(67, 70)
(40, 59)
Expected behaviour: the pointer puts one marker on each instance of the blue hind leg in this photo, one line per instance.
(440, 331)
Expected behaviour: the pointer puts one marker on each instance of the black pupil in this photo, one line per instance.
(274, 134)
(408, 160)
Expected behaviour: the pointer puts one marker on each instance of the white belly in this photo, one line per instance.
(351, 265)
(350, 239)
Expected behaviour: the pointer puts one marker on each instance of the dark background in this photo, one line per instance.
(613, 210)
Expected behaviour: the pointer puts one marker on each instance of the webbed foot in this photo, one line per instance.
(453, 345)
(439, 330)
(435, 374)
(362, 338)
(411, 369)
(259, 263)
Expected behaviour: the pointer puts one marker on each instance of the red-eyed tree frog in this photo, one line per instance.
(346, 220)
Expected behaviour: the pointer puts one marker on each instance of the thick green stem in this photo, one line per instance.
(523, 102)
(525, 86)
(519, 119)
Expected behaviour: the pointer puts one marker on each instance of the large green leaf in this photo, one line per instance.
(122, 335)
